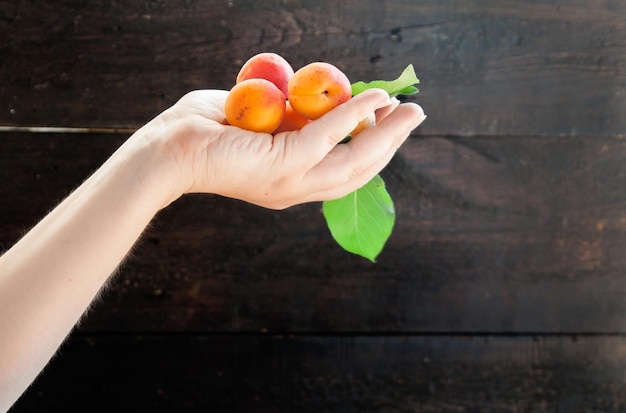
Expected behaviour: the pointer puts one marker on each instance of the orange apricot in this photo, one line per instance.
(317, 88)
(292, 120)
(256, 105)
(268, 66)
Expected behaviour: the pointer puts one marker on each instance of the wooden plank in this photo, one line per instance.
(334, 374)
(494, 234)
(490, 67)
(39, 169)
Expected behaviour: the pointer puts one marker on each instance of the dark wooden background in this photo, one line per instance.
(502, 288)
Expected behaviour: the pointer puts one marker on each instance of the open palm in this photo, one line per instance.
(290, 167)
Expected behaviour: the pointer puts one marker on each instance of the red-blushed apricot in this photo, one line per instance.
(368, 122)
(256, 105)
(317, 88)
(268, 66)
(292, 120)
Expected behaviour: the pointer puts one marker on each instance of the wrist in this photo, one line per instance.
(154, 164)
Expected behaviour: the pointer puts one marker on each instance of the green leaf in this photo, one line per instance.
(362, 221)
(403, 85)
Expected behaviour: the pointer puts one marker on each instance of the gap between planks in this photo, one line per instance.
(62, 129)
(106, 130)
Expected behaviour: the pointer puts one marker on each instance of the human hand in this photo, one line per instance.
(291, 167)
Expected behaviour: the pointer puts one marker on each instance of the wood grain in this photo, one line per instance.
(494, 234)
(489, 68)
(334, 374)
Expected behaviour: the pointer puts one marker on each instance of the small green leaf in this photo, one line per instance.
(403, 85)
(362, 221)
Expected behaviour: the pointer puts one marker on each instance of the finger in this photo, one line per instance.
(355, 182)
(394, 128)
(320, 136)
(350, 166)
(382, 113)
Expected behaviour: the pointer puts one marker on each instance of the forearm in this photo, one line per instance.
(51, 275)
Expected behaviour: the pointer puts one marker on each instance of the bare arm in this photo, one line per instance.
(50, 276)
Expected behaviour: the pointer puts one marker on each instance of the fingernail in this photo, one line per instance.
(421, 115)
(395, 102)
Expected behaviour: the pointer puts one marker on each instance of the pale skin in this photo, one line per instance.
(49, 277)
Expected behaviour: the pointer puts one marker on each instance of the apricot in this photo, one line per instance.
(255, 105)
(317, 88)
(292, 120)
(268, 66)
